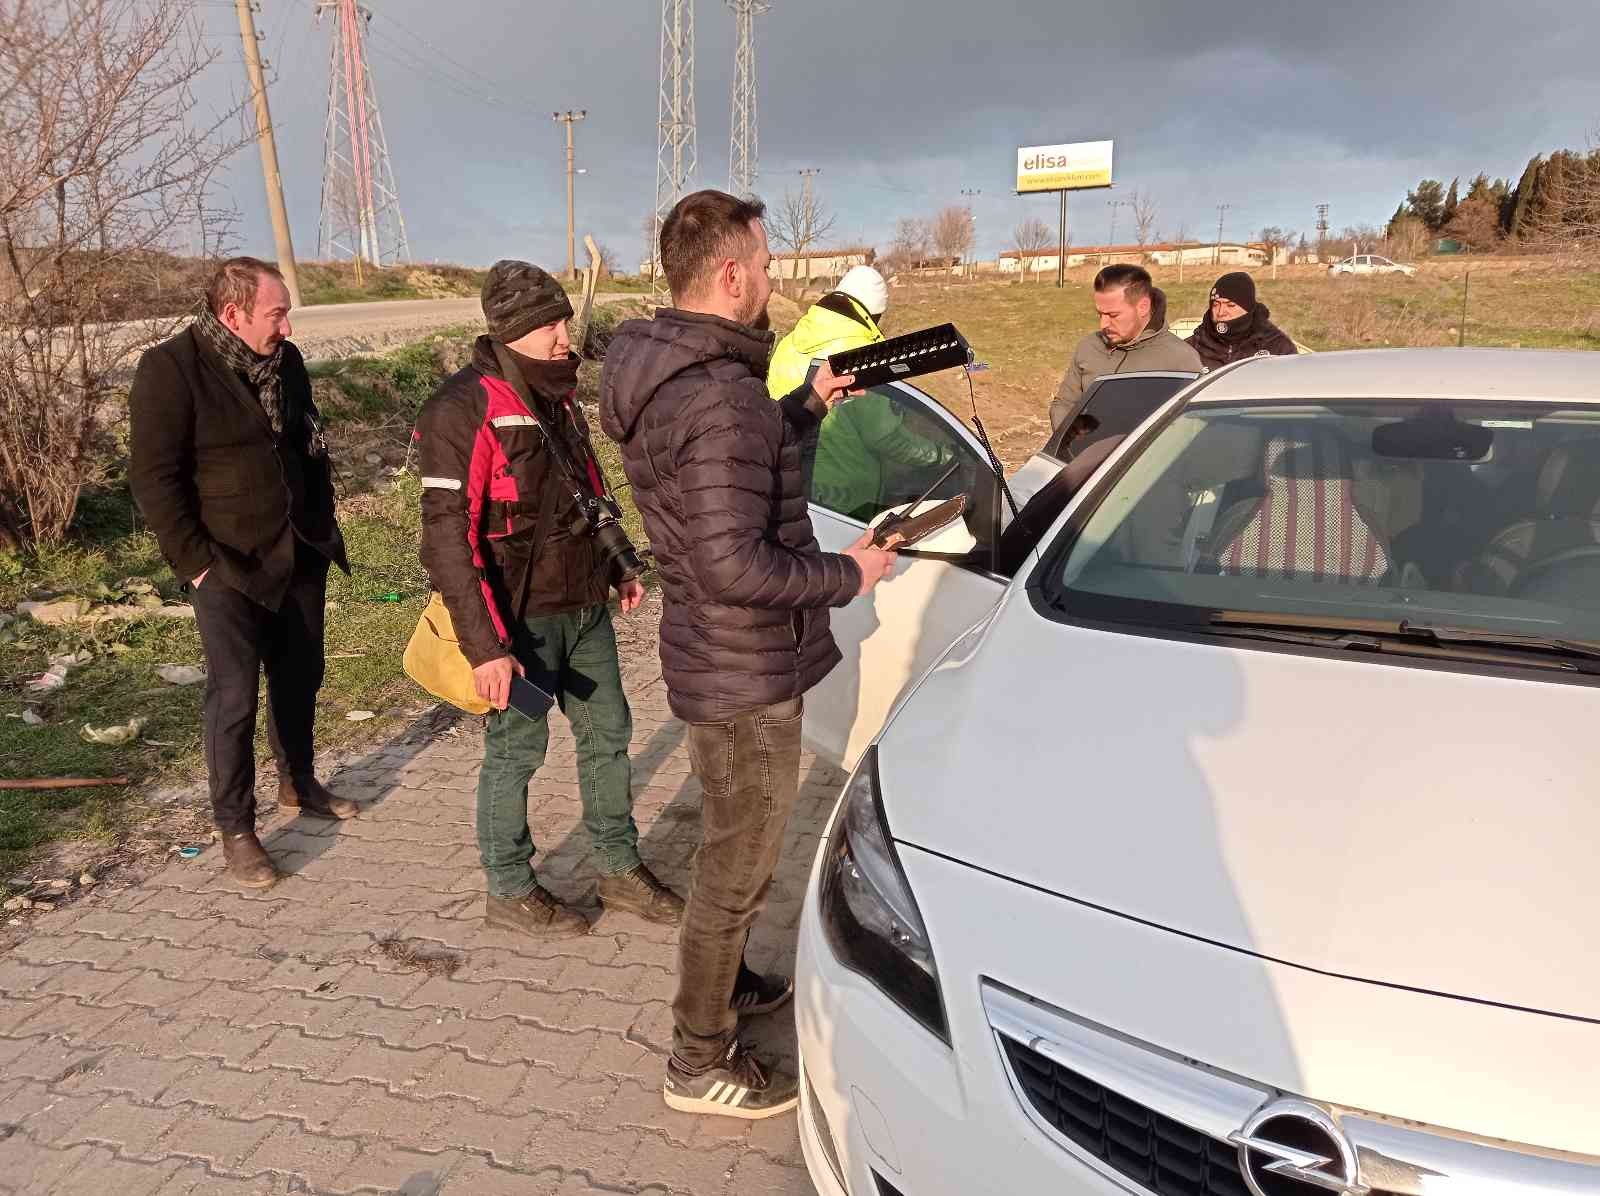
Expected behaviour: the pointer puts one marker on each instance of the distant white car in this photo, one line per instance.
(1371, 263)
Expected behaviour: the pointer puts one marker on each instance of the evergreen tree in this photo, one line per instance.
(1452, 201)
(1426, 203)
(1514, 212)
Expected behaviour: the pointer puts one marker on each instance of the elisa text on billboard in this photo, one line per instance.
(1080, 165)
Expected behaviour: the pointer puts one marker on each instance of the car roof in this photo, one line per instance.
(1462, 375)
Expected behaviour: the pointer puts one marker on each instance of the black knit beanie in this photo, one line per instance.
(1238, 287)
(519, 297)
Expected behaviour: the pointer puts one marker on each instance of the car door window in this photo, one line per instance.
(1113, 406)
(886, 448)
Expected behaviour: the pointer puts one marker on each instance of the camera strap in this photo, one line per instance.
(558, 470)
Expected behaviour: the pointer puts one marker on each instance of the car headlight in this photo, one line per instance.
(868, 913)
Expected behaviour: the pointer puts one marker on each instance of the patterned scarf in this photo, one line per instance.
(261, 372)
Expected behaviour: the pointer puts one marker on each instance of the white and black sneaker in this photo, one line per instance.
(734, 1086)
(755, 994)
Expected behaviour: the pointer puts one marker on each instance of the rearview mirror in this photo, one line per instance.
(1432, 438)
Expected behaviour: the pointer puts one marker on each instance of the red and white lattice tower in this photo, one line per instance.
(361, 217)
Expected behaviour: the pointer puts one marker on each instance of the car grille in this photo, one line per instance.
(1155, 1152)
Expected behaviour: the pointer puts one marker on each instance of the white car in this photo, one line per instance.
(1371, 263)
(1242, 843)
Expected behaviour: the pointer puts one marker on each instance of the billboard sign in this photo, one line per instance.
(1079, 166)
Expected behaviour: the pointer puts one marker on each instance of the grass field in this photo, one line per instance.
(1024, 332)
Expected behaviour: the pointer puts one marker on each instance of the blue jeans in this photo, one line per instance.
(573, 656)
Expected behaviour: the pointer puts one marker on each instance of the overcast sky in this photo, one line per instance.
(904, 104)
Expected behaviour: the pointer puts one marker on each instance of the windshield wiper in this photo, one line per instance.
(1380, 635)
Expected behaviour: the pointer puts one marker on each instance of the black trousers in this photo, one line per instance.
(241, 638)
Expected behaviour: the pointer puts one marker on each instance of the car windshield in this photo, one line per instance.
(1470, 518)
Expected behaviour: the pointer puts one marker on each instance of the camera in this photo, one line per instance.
(598, 517)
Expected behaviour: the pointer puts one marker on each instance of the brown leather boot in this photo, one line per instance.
(539, 914)
(639, 892)
(308, 796)
(248, 861)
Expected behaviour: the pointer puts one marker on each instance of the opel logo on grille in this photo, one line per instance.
(1294, 1148)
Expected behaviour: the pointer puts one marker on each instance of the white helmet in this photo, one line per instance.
(866, 286)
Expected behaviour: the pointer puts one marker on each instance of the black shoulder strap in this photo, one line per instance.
(544, 522)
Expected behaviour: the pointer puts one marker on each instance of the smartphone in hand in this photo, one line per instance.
(528, 700)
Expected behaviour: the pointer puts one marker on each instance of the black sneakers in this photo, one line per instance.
(756, 994)
(734, 1086)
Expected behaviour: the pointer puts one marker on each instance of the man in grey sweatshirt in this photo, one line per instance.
(1133, 337)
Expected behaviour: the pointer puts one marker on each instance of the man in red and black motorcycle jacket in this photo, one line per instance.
(507, 473)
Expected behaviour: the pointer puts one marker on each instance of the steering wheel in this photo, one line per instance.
(1569, 578)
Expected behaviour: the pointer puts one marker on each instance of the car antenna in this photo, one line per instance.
(983, 439)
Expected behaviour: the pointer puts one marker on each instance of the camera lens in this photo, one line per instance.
(617, 551)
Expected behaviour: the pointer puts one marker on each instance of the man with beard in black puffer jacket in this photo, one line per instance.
(715, 466)
(1237, 325)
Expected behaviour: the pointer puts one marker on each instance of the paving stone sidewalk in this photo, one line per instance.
(184, 1036)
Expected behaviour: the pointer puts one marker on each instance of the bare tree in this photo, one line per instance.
(1276, 239)
(913, 243)
(1145, 213)
(800, 223)
(1031, 238)
(953, 236)
(1409, 237)
(1476, 224)
(648, 232)
(1362, 238)
(1566, 215)
(610, 263)
(104, 163)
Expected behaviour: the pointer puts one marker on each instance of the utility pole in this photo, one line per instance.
(1061, 247)
(1113, 204)
(570, 118)
(810, 215)
(1322, 228)
(972, 229)
(269, 150)
(1222, 212)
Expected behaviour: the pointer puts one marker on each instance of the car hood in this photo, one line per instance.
(1408, 826)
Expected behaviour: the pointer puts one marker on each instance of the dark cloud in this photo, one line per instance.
(904, 104)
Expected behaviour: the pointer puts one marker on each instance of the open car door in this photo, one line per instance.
(1117, 404)
(876, 454)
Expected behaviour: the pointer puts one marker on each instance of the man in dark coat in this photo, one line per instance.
(230, 469)
(1237, 325)
(716, 471)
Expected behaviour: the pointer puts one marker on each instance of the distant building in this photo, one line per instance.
(1164, 253)
(820, 263)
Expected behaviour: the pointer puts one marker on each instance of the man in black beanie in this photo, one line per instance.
(504, 451)
(1238, 325)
